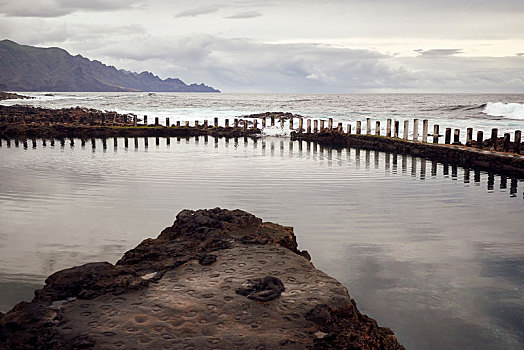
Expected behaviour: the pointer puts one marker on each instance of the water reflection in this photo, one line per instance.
(426, 248)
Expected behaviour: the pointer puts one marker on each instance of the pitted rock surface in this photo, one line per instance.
(190, 305)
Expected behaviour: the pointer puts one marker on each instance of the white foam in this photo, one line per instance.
(277, 131)
(506, 110)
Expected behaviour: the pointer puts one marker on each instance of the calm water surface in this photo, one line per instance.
(434, 252)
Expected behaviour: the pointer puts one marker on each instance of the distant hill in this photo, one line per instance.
(29, 68)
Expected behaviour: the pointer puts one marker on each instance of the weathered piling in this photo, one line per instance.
(415, 129)
(205, 124)
(359, 127)
(435, 133)
(126, 142)
(33, 141)
(517, 141)
(263, 122)
(506, 142)
(146, 142)
(245, 125)
(178, 123)
(315, 126)
(135, 120)
(115, 142)
(145, 120)
(272, 120)
(377, 128)
(308, 126)
(396, 129)
(406, 129)
(480, 139)
(196, 124)
(187, 124)
(494, 138)
(168, 141)
(93, 143)
(216, 122)
(456, 137)
(157, 141)
(82, 142)
(368, 126)
(255, 124)
(136, 142)
(340, 129)
(281, 122)
(349, 129)
(321, 125)
(425, 126)
(167, 123)
(104, 143)
(469, 136)
(227, 123)
(388, 127)
(235, 123)
(72, 141)
(300, 124)
(447, 137)
(330, 124)
(291, 123)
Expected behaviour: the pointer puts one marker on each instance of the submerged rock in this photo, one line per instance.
(215, 279)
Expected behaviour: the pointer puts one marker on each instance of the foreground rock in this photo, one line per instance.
(215, 279)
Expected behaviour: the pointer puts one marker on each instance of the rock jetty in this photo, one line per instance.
(215, 279)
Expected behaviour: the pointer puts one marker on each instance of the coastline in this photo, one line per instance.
(219, 278)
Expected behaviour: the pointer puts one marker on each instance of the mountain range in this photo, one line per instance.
(29, 68)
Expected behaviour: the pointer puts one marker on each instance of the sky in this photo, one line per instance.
(328, 46)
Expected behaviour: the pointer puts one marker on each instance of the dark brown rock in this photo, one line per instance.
(198, 285)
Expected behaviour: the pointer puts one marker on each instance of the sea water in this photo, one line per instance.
(478, 111)
(431, 250)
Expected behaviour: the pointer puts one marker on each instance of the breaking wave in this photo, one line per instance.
(506, 110)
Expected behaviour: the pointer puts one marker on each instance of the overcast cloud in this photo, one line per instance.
(298, 46)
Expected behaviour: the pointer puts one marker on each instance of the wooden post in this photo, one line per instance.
(282, 122)
(480, 139)
(300, 124)
(136, 142)
(415, 129)
(377, 128)
(456, 137)
(494, 138)
(227, 123)
(187, 123)
(447, 137)
(321, 125)
(435, 133)
(388, 128)
(425, 126)
(146, 142)
(359, 127)
(167, 123)
(157, 141)
(205, 124)
(82, 142)
(406, 129)
(156, 121)
(115, 142)
(315, 126)
(44, 144)
(291, 123)
(263, 122)
(235, 125)
(25, 144)
(135, 120)
(469, 136)
(145, 120)
(396, 129)
(126, 142)
(34, 143)
(216, 122)
(104, 143)
(168, 140)
(349, 129)
(330, 124)
(368, 126)
(196, 124)
(245, 125)
(178, 123)
(272, 120)
(506, 142)
(308, 126)
(93, 143)
(516, 147)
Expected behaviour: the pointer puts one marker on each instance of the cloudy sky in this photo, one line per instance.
(290, 46)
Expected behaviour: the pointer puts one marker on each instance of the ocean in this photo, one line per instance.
(478, 111)
(433, 251)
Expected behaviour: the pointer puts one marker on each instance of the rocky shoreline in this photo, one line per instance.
(215, 279)
(12, 96)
